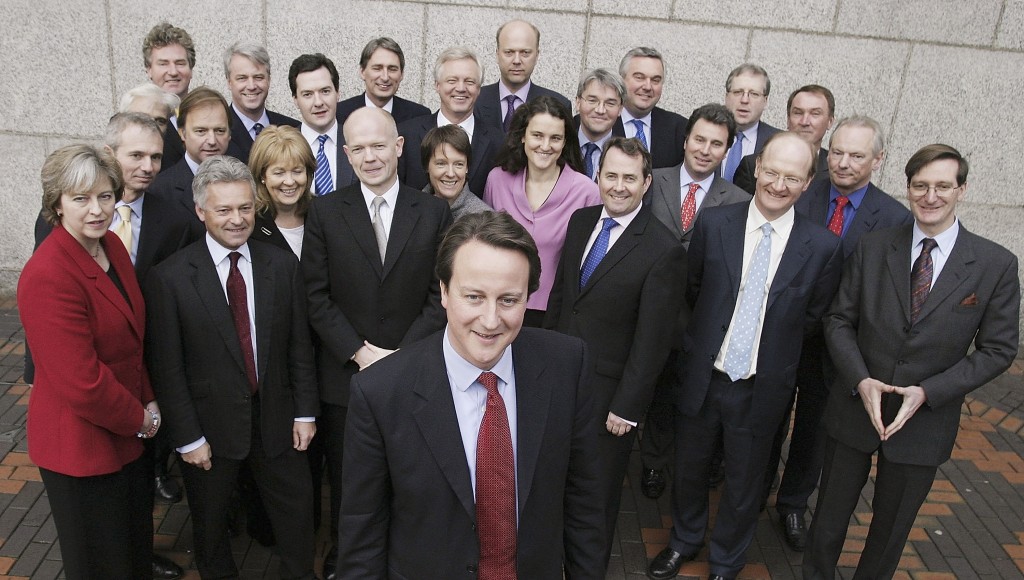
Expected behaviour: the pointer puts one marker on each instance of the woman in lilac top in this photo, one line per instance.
(539, 181)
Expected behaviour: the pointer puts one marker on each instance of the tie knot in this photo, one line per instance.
(693, 189)
(638, 124)
(841, 201)
(927, 245)
(589, 148)
(234, 256)
(511, 100)
(739, 138)
(259, 127)
(125, 211)
(377, 202)
(322, 139)
(766, 229)
(490, 382)
(609, 223)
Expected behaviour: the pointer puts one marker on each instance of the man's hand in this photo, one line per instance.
(616, 426)
(871, 395)
(369, 354)
(913, 398)
(200, 457)
(302, 434)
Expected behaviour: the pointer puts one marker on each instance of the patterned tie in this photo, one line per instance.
(322, 177)
(921, 278)
(257, 128)
(689, 209)
(835, 223)
(588, 158)
(378, 227)
(597, 251)
(640, 133)
(748, 315)
(495, 488)
(509, 111)
(124, 229)
(239, 304)
(732, 162)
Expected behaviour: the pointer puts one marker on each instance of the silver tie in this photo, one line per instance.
(378, 228)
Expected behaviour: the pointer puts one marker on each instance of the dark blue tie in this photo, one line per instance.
(322, 177)
(597, 251)
(588, 158)
(732, 162)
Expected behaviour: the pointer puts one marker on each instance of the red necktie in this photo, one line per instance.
(921, 278)
(240, 313)
(495, 488)
(689, 206)
(835, 223)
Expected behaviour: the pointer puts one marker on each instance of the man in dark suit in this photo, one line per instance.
(759, 274)
(599, 97)
(518, 48)
(313, 79)
(662, 132)
(849, 205)
(457, 78)
(746, 95)
(169, 56)
(381, 66)
(473, 451)
(247, 69)
(235, 377)
(678, 195)
(810, 111)
(368, 256)
(619, 287)
(913, 302)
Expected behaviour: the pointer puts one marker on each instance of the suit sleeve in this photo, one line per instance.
(824, 290)
(842, 321)
(302, 369)
(433, 317)
(744, 177)
(695, 261)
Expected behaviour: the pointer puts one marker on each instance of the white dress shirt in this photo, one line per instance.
(387, 209)
(630, 128)
(388, 106)
(468, 125)
(944, 246)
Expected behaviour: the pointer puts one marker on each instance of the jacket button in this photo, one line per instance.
(901, 362)
(471, 569)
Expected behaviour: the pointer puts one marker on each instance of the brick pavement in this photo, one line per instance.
(972, 525)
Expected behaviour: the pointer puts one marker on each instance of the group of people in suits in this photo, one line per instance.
(306, 304)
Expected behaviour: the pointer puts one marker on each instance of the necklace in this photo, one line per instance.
(96, 256)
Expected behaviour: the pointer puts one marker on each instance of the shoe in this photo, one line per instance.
(165, 569)
(652, 483)
(794, 530)
(666, 564)
(167, 489)
(331, 564)
(718, 577)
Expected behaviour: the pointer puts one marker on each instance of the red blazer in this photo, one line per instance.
(90, 385)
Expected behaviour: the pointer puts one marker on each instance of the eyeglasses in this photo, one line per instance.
(942, 189)
(790, 181)
(752, 95)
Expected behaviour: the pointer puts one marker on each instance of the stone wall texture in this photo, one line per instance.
(928, 70)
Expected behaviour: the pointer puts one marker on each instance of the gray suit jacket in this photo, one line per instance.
(666, 202)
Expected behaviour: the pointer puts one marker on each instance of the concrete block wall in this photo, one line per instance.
(928, 70)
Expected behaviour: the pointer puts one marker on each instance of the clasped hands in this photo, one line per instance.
(369, 354)
(871, 390)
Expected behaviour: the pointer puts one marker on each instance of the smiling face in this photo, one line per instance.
(458, 85)
(317, 99)
(87, 215)
(933, 211)
(809, 117)
(447, 172)
(517, 54)
(746, 99)
(622, 182)
(140, 154)
(169, 69)
(230, 212)
(286, 182)
(645, 79)
(705, 148)
(782, 173)
(599, 107)
(206, 132)
(382, 76)
(543, 142)
(249, 83)
(373, 148)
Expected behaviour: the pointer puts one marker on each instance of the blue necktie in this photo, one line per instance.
(640, 133)
(588, 158)
(257, 129)
(597, 251)
(322, 177)
(732, 162)
(748, 315)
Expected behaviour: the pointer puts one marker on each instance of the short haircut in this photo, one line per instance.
(877, 144)
(716, 114)
(811, 152)
(451, 135)
(201, 97)
(308, 63)
(638, 52)
(220, 169)
(497, 35)
(603, 77)
(457, 53)
(752, 69)
(257, 53)
(496, 229)
(152, 92)
(936, 152)
(281, 144)
(120, 122)
(817, 90)
(77, 169)
(512, 156)
(632, 148)
(166, 34)
(378, 43)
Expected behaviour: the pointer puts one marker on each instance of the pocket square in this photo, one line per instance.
(971, 300)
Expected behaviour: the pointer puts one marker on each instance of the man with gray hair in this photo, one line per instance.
(663, 132)
(458, 75)
(599, 98)
(382, 67)
(746, 95)
(247, 70)
(234, 372)
(151, 100)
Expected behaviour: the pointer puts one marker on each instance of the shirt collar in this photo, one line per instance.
(390, 196)
(247, 122)
(388, 106)
(685, 179)
(135, 205)
(628, 117)
(521, 94)
(312, 136)
(625, 220)
(782, 225)
(463, 373)
(855, 198)
(583, 139)
(468, 125)
(192, 163)
(944, 241)
(219, 252)
(751, 133)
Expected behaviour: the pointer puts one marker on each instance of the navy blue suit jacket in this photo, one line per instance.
(668, 135)
(877, 211)
(401, 109)
(241, 139)
(488, 104)
(485, 145)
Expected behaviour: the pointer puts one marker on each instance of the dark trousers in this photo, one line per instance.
(614, 452)
(658, 438)
(726, 413)
(104, 522)
(332, 417)
(900, 489)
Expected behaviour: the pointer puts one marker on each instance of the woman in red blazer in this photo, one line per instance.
(91, 403)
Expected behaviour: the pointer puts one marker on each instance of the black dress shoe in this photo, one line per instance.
(331, 564)
(666, 564)
(718, 577)
(167, 489)
(794, 530)
(652, 483)
(165, 568)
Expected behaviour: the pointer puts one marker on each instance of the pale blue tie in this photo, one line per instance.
(732, 162)
(597, 251)
(588, 158)
(640, 133)
(322, 177)
(744, 328)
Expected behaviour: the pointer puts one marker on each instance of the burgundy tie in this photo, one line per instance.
(495, 488)
(689, 209)
(240, 312)
(835, 223)
(921, 278)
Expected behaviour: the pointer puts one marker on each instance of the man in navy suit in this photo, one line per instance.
(247, 69)
(759, 274)
(599, 97)
(746, 95)
(518, 48)
(663, 132)
(313, 80)
(169, 56)
(381, 66)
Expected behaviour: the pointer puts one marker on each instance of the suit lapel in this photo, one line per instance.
(532, 402)
(863, 221)
(105, 286)
(669, 196)
(899, 268)
(357, 217)
(263, 293)
(211, 293)
(954, 273)
(629, 239)
(403, 222)
(793, 259)
(713, 198)
(732, 241)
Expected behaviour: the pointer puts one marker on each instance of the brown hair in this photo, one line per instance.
(77, 169)
(936, 152)
(496, 229)
(280, 144)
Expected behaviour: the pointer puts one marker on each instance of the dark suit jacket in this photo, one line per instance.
(800, 292)
(196, 360)
(877, 211)
(626, 312)
(745, 180)
(764, 131)
(668, 136)
(174, 149)
(401, 109)
(407, 509)
(666, 201)
(352, 297)
(488, 104)
(266, 230)
(974, 301)
(175, 185)
(485, 145)
(241, 139)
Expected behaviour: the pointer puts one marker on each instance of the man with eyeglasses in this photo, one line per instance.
(599, 98)
(746, 96)
(913, 301)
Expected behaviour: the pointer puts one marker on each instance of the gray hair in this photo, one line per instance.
(151, 92)
(640, 51)
(606, 78)
(120, 122)
(456, 53)
(877, 144)
(250, 50)
(749, 68)
(77, 169)
(220, 169)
